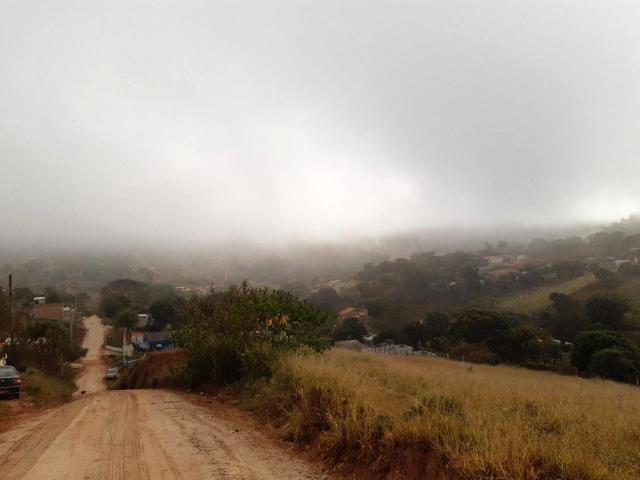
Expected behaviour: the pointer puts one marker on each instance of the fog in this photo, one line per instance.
(193, 123)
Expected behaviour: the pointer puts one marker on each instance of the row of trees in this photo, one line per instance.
(122, 300)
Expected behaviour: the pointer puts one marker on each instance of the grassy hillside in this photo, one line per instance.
(630, 289)
(391, 417)
(537, 299)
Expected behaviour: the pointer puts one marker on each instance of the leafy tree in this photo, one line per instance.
(327, 299)
(588, 343)
(607, 311)
(614, 363)
(126, 319)
(416, 334)
(52, 295)
(163, 312)
(138, 293)
(478, 326)
(350, 329)
(436, 324)
(241, 333)
(112, 304)
(23, 296)
(566, 319)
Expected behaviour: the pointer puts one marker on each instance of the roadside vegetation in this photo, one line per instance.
(41, 350)
(410, 418)
(44, 390)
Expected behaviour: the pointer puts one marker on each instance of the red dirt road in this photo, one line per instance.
(139, 434)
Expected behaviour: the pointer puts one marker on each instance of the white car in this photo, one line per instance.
(112, 374)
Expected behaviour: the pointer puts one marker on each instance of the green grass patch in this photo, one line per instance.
(43, 390)
(531, 301)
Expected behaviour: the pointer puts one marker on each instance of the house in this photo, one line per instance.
(353, 312)
(39, 300)
(48, 311)
(597, 263)
(361, 313)
(137, 338)
(160, 340)
(493, 260)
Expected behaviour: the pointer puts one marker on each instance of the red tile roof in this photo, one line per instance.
(48, 311)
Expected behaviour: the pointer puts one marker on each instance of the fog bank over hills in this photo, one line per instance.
(193, 124)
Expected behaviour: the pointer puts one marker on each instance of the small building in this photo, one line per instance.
(160, 340)
(39, 300)
(137, 338)
(353, 312)
(48, 311)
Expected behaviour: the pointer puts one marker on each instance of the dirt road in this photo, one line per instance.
(140, 434)
(90, 380)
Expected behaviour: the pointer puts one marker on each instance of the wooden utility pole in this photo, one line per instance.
(13, 327)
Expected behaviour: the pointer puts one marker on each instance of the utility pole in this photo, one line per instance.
(13, 328)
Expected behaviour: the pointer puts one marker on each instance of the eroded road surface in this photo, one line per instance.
(140, 434)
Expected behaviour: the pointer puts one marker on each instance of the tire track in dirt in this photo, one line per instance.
(140, 435)
(25, 453)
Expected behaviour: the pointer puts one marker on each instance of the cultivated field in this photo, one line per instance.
(395, 417)
(538, 298)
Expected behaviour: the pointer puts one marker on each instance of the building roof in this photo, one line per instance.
(48, 311)
(163, 336)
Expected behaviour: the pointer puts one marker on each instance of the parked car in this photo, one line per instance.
(10, 381)
(112, 374)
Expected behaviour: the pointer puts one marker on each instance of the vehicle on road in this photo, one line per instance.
(112, 374)
(10, 381)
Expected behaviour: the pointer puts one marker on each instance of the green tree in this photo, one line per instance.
(588, 343)
(350, 329)
(126, 319)
(112, 304)
(163, 312)
(436, 324)
(241, 333)
(614, 363)
(566, 318)
(138, 293)
(607, 311)
(327, 299)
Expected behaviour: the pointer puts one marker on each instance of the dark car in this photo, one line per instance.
(10, 381)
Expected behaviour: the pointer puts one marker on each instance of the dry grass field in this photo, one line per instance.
(537, 299)
(393, 417)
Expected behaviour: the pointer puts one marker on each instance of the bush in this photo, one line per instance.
(615, 364)
(241, 333)
(44, 390)
(587, 344)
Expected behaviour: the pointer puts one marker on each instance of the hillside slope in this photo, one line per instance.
(395, 417)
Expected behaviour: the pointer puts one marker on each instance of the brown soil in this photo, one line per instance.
(141, 434)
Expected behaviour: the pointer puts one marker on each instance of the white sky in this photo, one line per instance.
(277, 120)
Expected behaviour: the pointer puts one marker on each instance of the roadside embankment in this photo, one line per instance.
(394, 417)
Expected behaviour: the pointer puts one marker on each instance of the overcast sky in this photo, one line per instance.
(279, 120)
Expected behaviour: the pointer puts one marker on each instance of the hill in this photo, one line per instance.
(536, 299)
(392, 417)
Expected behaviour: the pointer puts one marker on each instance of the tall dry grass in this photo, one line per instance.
(390, 417)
